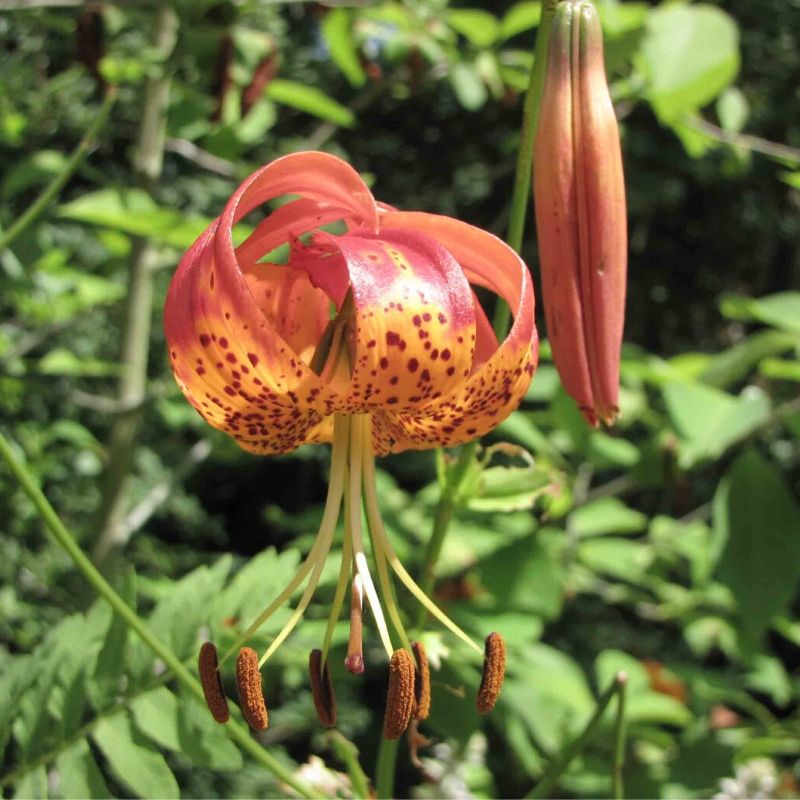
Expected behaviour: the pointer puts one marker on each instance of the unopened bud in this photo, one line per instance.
(580, 213)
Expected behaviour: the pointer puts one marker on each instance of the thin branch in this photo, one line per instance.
(782, 152)
(208, 161)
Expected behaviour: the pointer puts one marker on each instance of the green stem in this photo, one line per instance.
(619, 742)
(348, 753)
(441, 521)
(64, 538)
(384, 772)
(522, 178)
(559, 765)
(58, 182)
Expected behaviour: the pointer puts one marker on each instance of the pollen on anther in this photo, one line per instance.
(248, 684)
(494, 670)
(422, 682)
(322, 689)
(400, 697)
(212, 686)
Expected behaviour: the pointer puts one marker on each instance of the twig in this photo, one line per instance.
(141, 513)
(782, 152)
(559, 765)
(208, 161)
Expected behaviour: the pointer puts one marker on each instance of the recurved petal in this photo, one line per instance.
(494, 390)
(234, 368)
(414, 335)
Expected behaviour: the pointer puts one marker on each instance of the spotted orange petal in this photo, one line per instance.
(414, 314)
(495, 389)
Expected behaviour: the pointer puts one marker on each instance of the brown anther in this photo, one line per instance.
(400, 697)
(212, 685)
(248, 684)
(355, 655)
(415, 741)
(322, 688)
(494, 670)
(422, 682)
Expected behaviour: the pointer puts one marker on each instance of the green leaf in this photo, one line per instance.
(204, 741)
(519, 18)
(508, 488)
(733, 109)
(710, 421)
(619, 558)
(61, 361)
(33, 785)
(780, 369)
(78, 773)
(691, 53)
(156, 716)
(337, 31)
(780, 310)
(108, 668)
(133, 211)
(311, 100)
(132, 760)
(735, 363)
(479, 27)
(606, 515)
(36, 169)
(468, 86)
(757, 521)
(535, 565)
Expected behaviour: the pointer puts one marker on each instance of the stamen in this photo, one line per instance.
(400, 697)
(494, 669)
(322, 689)
(380, 537)
(251, 695)
(212, 685)
(355, 655)
(422, 682)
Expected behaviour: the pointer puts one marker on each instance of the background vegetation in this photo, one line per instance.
(667, 547)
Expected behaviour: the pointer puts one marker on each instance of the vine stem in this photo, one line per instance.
(51, 191)
(558, 766)
(524, 170)
(66, 541)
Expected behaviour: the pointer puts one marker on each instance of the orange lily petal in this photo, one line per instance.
(414, 315)
(494, 390)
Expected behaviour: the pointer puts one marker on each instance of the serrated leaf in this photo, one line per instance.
(156, 716)
(337, 31)
(133, 761)
(204, 741)
(78, 773)
(757, 520)
(111, 657)
(691, 53)
(311, 100)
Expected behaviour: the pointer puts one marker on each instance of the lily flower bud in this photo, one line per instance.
(581, 224)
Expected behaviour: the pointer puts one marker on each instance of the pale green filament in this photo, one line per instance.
(341, 586)
(341, 443)
(357, 444)
(379, 533)
(383, 577)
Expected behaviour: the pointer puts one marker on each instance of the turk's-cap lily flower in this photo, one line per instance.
(372, 339)
(580, 213)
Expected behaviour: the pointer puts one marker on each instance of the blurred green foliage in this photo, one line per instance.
(667, 547)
